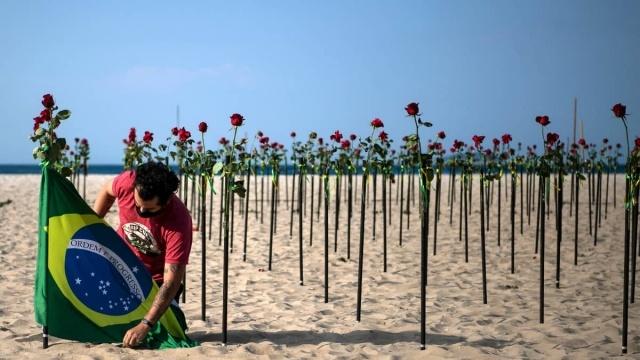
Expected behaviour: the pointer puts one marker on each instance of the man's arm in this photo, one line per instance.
(104, 200)
(173, 274)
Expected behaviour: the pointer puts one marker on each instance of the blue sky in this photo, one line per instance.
(476, 67)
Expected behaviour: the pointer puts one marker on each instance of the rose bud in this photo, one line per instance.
(84, 142)
(260, 134)
(236, 120)
(174, 131)
(336, 136)
(506, 138)
(619, 111)
(47, 101)
(203, 127)
(543, 120)
(345, 144)
(353, 137)
(477, 140)
(383, 136)
(442, 135)
(377, 123)
(412, 109)
(496, 142)
(293, 134)
(552, 138)
(148, 137)
(132, 135)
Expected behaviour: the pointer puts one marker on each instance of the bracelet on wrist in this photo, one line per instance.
(147, 322)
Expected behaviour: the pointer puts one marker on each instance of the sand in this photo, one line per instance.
(272, 316)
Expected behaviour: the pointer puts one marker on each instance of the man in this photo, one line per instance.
(156, 226)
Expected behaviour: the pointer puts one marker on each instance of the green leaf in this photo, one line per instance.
(217, 168)
(63, 114)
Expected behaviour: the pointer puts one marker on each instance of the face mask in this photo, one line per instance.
(148, 214)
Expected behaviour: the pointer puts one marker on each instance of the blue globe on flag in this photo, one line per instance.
(101, 275)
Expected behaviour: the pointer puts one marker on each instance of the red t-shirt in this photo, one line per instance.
(157, 240)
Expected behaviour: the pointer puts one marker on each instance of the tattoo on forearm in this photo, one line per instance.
(165, 293)
(171, 268)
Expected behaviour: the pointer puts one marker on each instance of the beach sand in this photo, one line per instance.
(272, 316)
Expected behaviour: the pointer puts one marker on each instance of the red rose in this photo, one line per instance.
(174, 131)
(47, 101)
(223, 141)
(552, 138)
(377, 123)
(543, 120)
(237, 120)
(132, 135)
(84, 142)
(496, 142)
(203, 127)
(345, 144)
(506, 138)
(457, 144)
(605, 140)
(320, 141)
(487, 152)
(477, 140)
(274, 145)
(45, 115)
(442, 135)
(353, 137)
(383, 136)
(260, 134)
(637, 141)
(412, 109)
(183, 135)
(336, 136)
(148, 137)
(619, 111)
(264, 140)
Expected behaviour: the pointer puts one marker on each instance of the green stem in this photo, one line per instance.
(626, 130)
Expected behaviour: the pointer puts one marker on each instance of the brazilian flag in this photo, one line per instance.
(89, 286)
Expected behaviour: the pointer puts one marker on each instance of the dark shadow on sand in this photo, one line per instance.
(376, 337)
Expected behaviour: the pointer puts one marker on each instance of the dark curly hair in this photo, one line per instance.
(156, 179)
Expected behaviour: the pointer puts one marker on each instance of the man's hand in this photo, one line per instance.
(135, 336)
(172, 277)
